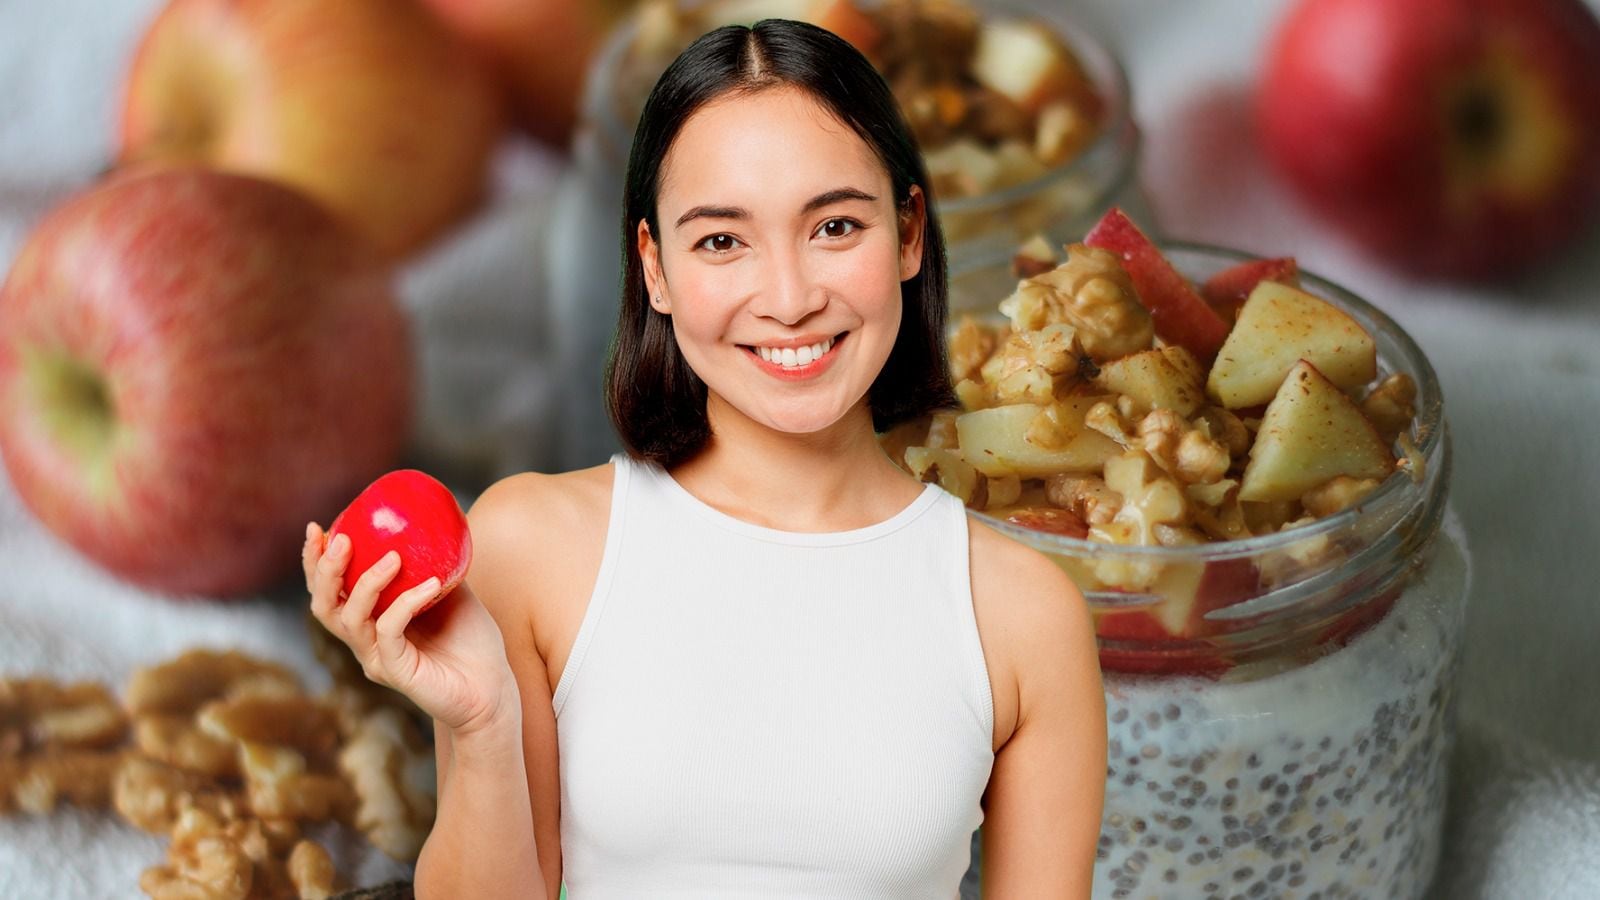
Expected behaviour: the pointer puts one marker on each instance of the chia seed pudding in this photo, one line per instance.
(1321, 780)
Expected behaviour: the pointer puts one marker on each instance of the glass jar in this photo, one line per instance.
(1294, 740)
(583, 248)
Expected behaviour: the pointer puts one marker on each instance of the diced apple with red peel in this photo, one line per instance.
(1190, 592)
(1312, 432)
(1180, 316)
(1051, 519)
(849, 21)
(1155, 379)
(1278, 326)
(1025, 62)
(1227, 290)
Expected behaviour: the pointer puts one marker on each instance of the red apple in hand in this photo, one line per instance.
(192, 365)
(409, 512)
(1453, 137)
(371, 106)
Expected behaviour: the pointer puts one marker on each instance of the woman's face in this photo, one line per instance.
(780, 257)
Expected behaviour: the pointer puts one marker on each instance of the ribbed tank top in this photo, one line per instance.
(751, 712)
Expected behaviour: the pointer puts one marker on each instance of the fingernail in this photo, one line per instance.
(433, 585)
(341, 544)
(390, 560)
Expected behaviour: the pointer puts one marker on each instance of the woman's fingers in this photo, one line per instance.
(311, 552)
(327, 578)
(356, 615)
(390, 632)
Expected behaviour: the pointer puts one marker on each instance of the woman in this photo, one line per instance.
(751, 656)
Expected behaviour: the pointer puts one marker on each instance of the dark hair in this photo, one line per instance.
(656, 402)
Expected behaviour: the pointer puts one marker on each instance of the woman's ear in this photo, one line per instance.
(655, 283)
(913, 218)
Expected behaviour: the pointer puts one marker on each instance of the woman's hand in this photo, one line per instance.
(451, 662)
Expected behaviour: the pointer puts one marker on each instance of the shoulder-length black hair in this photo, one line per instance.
(656, 402)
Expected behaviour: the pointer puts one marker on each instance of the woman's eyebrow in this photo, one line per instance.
(826, 198)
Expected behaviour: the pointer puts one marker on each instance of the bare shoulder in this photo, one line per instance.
(537, 540)
(1032, 620)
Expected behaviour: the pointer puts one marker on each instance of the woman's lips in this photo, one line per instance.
(798, 372)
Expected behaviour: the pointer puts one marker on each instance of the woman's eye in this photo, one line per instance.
(837, 228)
(720, 243)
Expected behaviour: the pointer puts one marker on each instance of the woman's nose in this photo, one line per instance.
(791, 293)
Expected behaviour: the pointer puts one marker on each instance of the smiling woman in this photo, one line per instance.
(750, 656)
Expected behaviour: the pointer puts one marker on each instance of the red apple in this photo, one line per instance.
(1049, 519)
(409, 512)
(1180, 316)
(371, 106)
(192, 365)
(542, 50)
(1453, 137)
(1227, 290)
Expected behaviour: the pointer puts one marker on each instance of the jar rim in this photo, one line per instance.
(1397, 489)
(1118, 139)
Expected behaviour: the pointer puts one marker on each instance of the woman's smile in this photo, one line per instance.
(797, 359)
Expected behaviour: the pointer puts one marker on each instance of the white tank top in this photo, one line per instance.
(750, 712)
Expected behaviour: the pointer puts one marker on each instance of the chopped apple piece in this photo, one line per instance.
(1025, 62)
(1036, 256)
(948, 470)
(1048, 518)
(1312, 432)
(1227, 290)
(1180, 316)
(1278, 326)
(1152, 381)
(1033, 441)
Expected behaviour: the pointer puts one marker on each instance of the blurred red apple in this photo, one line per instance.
(542, 49)
(411, 513)
(371, 106)
(192, 365)
(1452, 137)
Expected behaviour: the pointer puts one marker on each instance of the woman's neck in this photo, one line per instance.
(835, 479)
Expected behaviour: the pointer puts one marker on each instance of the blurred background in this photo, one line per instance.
(421, 270)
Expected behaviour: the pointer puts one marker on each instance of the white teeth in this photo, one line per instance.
(790, 357)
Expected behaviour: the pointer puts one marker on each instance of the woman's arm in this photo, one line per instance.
(493, 785)
(1043, 805)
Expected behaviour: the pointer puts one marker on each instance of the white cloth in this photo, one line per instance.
(1520, 365)
(750, 712)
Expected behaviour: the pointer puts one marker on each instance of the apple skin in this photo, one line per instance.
(541, 50)
(370, 106)
(1180, 316)
(411, 513)
(193, 365)
(1456, 138)
(1227, 290)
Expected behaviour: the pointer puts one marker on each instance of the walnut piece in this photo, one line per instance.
(1086, 496)
(37, 714)
(1091, 292)
(1182, 449)
(1391, 405)
(394, 777)
(182, 685)
(1336, 494)
(970, 347)
(311, 871)
(1149, 499)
